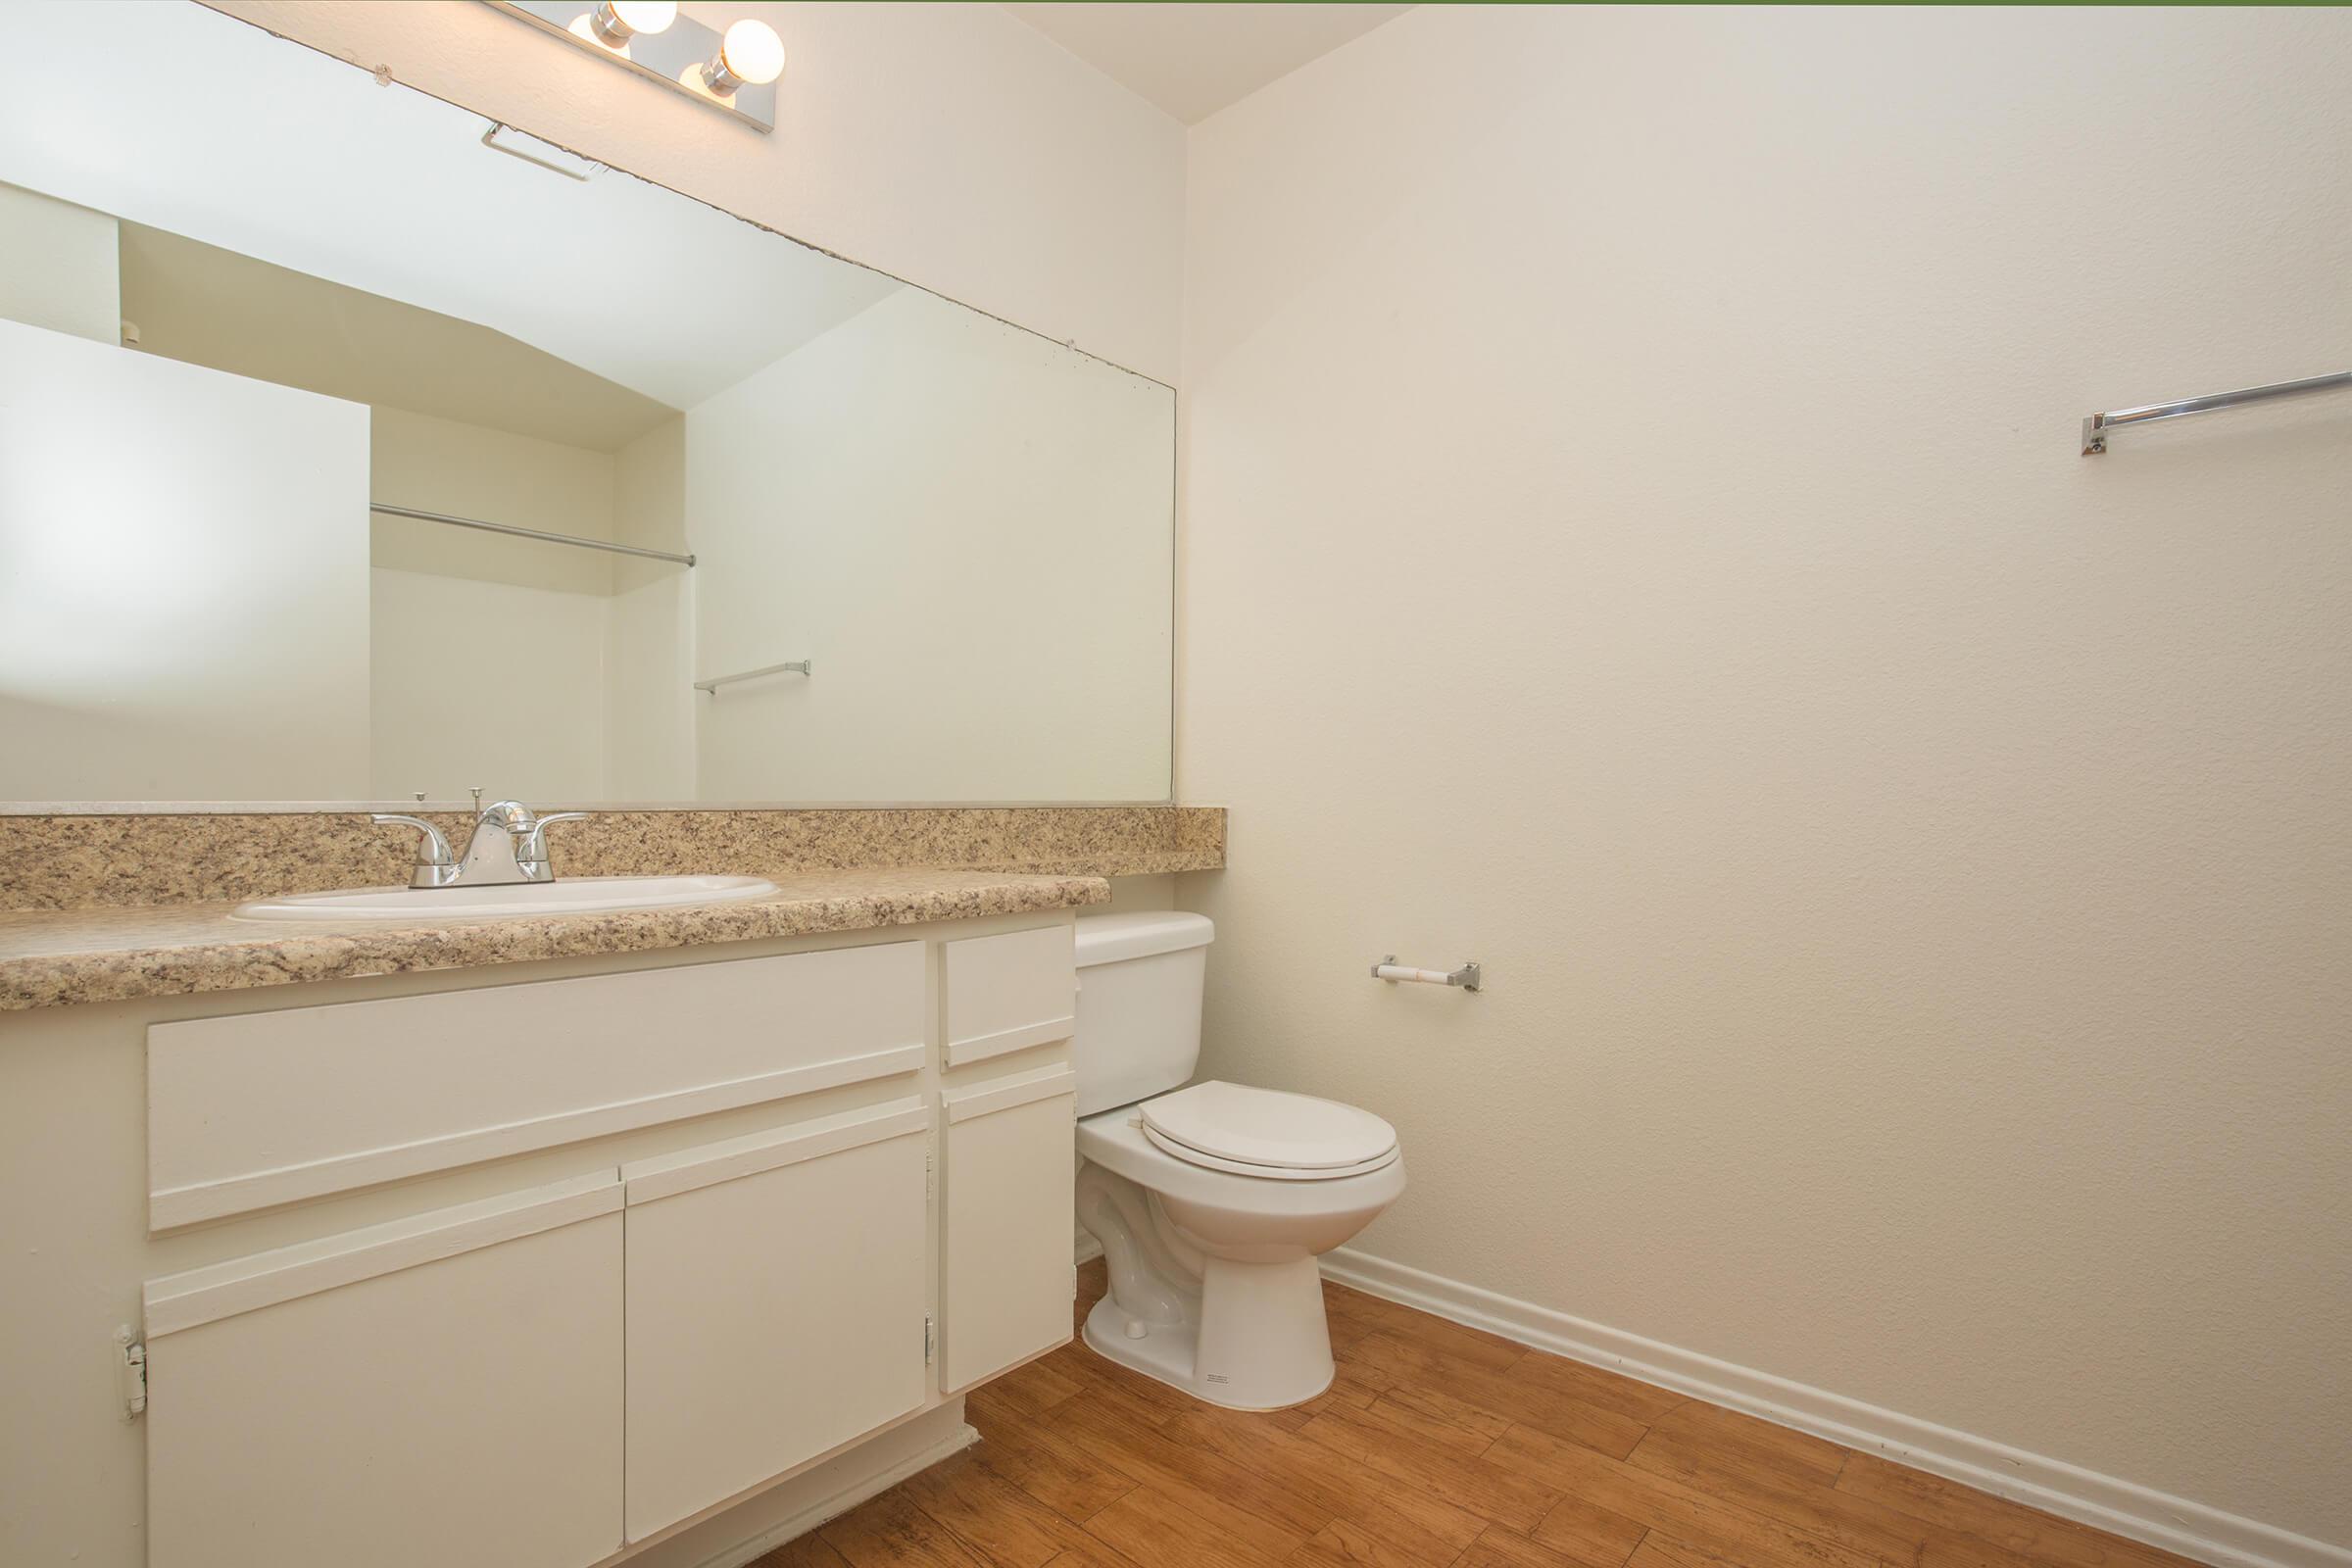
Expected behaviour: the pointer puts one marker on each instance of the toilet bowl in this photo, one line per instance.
(1213, 1202)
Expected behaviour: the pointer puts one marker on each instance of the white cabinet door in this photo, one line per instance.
(444, 1390)
(778, 1290)
(1007, 1282)
(1007, 993)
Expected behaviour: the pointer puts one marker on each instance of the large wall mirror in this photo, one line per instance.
(272, 336)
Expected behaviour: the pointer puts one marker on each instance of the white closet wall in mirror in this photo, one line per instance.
(184, 609)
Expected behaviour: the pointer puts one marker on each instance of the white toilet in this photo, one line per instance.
(1211, 1202)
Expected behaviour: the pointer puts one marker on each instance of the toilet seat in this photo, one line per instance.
(1117, 1140)
(1283, 1173)
(1267, 1133)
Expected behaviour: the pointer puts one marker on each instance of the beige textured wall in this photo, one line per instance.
(1634, 537)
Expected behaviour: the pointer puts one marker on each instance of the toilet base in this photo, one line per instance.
(1259, 1341)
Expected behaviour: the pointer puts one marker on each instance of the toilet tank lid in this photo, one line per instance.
(1108, 938)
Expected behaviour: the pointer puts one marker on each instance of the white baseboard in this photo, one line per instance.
(834, 1504)
(2175, 1524)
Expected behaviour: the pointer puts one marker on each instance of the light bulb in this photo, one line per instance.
(643, 16)
(613, 22)
(750, 52)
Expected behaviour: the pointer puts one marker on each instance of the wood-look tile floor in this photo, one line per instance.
(1437, 1446)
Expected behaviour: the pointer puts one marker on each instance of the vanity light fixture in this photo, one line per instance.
(750, 52)
(735, 73)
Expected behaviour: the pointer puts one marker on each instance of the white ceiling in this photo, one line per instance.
(1193, 60)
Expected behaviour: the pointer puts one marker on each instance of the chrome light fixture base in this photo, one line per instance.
(674, 57)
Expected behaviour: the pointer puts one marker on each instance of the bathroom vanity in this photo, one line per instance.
(534, 1263)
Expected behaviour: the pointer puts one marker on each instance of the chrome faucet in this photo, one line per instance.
(490, 858)
(507, 846)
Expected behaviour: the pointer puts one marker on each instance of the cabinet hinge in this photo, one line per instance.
(131, 1373)
(930, 1341)
(930, 1179)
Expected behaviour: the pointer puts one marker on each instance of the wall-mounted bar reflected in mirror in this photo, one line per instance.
(798, 667)
(530, 533)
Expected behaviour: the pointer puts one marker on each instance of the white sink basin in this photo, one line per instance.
(580, 894)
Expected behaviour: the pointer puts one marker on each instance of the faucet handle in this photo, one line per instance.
(532, 851)
(432, 850)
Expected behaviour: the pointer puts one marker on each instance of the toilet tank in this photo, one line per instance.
(1139, 1004)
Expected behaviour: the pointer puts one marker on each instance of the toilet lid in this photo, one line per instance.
(1265, 1127)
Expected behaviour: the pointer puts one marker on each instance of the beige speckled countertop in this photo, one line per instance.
(72, 861)
(49, 957)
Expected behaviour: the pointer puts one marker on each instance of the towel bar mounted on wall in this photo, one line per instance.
(2096, 425)
(1469, 976)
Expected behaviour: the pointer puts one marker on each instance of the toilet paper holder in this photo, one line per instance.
(1469, 976)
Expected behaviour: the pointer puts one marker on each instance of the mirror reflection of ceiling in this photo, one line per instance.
(203, 305)
(669, 300)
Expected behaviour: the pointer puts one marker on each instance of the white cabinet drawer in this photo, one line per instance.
(1007, 993)
(778, 1286)
(264, 1108)
(1007, 1281)
(445, 1390)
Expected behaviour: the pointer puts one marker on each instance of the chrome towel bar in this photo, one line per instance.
(1469, 976)
(2095, 426)
(799, 666)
